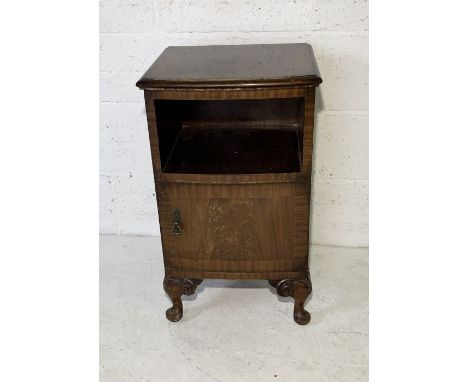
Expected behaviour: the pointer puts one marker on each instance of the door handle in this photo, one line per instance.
(177, 223)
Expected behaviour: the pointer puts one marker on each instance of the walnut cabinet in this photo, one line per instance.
(231, 137)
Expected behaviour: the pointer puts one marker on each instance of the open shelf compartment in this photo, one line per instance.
(230, 136)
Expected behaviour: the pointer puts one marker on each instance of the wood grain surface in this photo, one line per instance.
(233, 65)
(231, 136)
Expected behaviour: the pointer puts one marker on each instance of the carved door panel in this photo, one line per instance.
(226, 227)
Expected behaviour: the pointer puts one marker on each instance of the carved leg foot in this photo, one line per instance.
(299, 290)
(175, 287)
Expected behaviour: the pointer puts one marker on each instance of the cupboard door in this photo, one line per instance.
(227, 228)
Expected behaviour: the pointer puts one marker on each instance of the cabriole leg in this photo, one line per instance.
(299, 290)
(175, 287)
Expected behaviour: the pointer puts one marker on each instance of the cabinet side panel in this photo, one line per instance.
(301, 220)
(309, 109)
(153, 133)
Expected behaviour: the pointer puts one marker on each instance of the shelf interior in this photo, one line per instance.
(234, 150)
(230, 136)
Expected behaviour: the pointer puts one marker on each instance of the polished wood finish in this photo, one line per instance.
(175, 287)
(299, 289)
(227, 65)
(231, 136)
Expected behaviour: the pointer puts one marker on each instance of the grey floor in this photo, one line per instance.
(231, 330)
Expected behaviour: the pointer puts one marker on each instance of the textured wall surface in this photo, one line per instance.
(135, 32)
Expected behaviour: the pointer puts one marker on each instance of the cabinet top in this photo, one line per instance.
(226, 66)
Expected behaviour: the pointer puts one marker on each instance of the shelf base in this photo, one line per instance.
(243, 150)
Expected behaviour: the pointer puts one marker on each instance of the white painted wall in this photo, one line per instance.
(134, 33)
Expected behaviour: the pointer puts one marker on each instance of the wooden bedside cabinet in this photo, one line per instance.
(231, 131)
